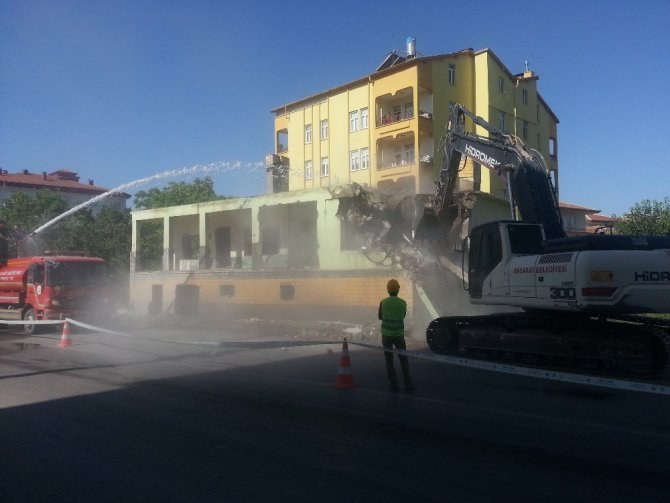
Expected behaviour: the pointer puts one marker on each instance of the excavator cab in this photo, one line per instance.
(484, 253)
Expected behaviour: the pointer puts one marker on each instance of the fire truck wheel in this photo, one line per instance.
(30, 329)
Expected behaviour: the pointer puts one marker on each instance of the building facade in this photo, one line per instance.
(384, 129)
(292, 253)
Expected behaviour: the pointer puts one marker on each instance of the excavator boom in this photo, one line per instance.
(532, 197)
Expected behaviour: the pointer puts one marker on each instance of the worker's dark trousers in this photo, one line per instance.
(389, 341)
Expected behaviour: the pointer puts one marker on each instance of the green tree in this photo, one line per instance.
(151, 245)
(176, 194)
(30, 211)
(648, 217)
(106, 235)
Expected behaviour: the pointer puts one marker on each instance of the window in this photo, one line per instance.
(525, 239)
(552, 148)
(308, 170)
(353, 121)
(324, 129)
(525, 130)
(364, 118)
(308, 134)
(409, 110)
(355, 160)
(286, 292)
(227, 290)
(324, 166)
(524, 96)
(501, 85)
(282, 140)
(501, 121)
(397, 113)
(365, 158)
(452, 74)
(397, 156)
(409, 153)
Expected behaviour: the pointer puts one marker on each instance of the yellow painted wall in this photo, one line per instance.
(444, 95)
(389, 85)
(336, 147)
(315, 293)
(324, 145)
(358, 99)
(482, 106)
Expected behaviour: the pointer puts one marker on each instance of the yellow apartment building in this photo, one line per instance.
(383, 130)
(291, 253)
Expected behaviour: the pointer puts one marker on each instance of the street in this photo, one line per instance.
(143, 418)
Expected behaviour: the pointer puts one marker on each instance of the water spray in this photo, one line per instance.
(193, 170)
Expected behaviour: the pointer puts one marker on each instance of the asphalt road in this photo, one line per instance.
(127, 419)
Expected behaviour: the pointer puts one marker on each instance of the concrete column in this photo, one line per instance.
(202, 238)
(167, 258)
(134, 239)
(255, 238)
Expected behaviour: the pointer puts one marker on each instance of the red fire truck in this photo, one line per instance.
(54, 287)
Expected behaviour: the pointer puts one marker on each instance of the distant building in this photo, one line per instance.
(63, 181)
(580, 220)
(600, 224)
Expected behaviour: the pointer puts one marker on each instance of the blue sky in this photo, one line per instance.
(121, 90)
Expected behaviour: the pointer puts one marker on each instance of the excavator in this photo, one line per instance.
(586, 300)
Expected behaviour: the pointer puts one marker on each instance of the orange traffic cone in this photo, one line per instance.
(345, 379)
(65, 337)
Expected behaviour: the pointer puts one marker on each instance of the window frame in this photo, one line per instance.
(408, 152)
(365, 118)
(408, 110)
(452, 74)
(308, 134)
(354, 160)
(324, 129)
(353, 121)
(365, 158)
(501, 85)
(325, 162)
(309, 170)
(553, 154)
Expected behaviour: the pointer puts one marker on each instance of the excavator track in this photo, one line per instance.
(621, 345)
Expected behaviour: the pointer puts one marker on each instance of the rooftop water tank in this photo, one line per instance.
(411, 47)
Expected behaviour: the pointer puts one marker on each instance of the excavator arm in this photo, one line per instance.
(531, 194)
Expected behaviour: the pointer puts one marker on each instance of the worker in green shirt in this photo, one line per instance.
(392, 311)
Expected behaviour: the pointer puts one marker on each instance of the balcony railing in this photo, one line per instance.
(395, 164)
(387, 120)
